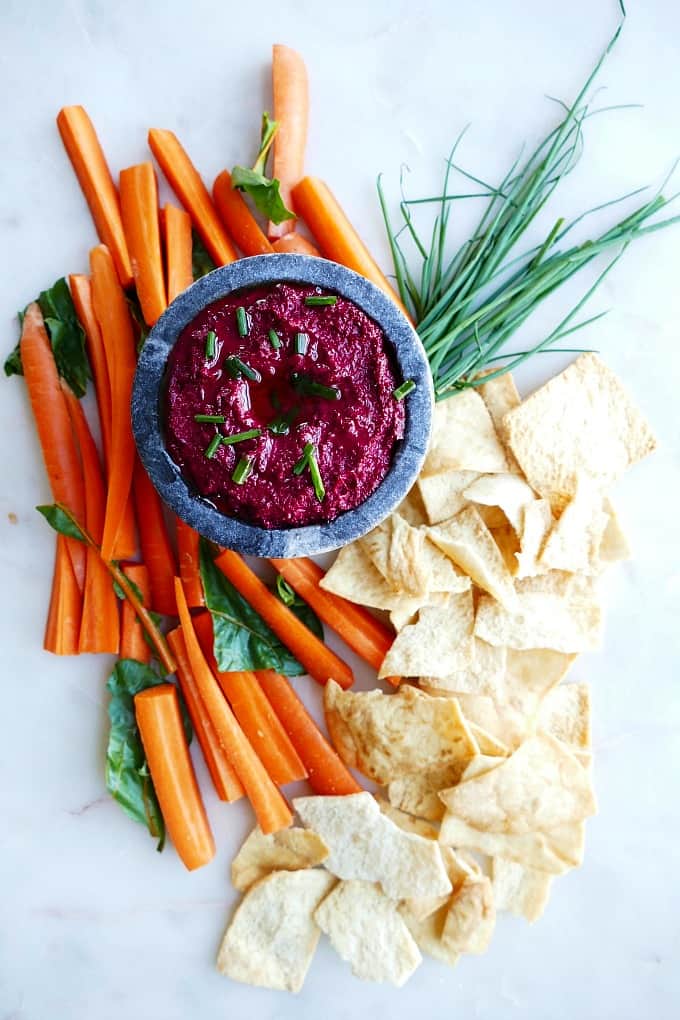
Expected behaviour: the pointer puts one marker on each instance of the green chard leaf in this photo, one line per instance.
(127, 773)
(141, 329)
(201, 262)
(264, 191)
(13, 364)
(62, 522)
(66, 336)
(243, 641)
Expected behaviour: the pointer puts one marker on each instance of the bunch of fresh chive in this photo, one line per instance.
(468, 307)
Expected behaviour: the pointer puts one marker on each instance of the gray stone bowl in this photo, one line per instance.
(148, 427)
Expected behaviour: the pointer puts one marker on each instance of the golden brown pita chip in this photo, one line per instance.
(488, 745)
(365, 844)
(463, 437)
(427, 931)
(442, 494)
(288, 850)
(396, 551)
(521, 891)
(574, 541)
(555, 851)
(468, 542)
(387, 736)
(581, 424)
(367, 931)
(540, 621)
(500, 396)
(272, 936)
(412, 509)
(354, 577)
(565, 714)
(471, 917)
(418, 794)
(440, 641)
(507, 491)
(485, 674)
(501, 722)
(407, 821)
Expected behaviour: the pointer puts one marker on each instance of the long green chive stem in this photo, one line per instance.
(301, 343)
(212, 419)
(403, 391)
(308, 460)
(213, 446)
(242, 471)
(274, 339)
(301, 464)
(242, 321)
(237, 368)
(319, 300)
(309, 387)
(210, 344)
(240, 437)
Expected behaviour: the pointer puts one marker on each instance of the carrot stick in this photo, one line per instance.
(139, 208)
(133, 644)
(178, 250)
(114, 320)
(358, 628)
(165, 746)
(238, 218)
(291, 112)
(64, 614)
(327, 774)
(255, 715)
(86, 155)
(296, 244)
(319, 661)
(185, 181)
(100, 625)
(81, 292)
(227, 784)
(53, 425)
(269, 806)
(335, 235)
(154, 541)
(189, 564)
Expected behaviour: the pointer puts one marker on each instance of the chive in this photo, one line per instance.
(212, 419)
(308, 460)
(319, 300)
(210, 344)
(242, 470)
(301, 343)
(309, 387)
(213, 446)
(300, 466)
(274, 339)
(240, 437)
(237, 368)
(403, 391)
(284, 591)
(242, 321)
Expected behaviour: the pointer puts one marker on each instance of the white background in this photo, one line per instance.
(94, 923)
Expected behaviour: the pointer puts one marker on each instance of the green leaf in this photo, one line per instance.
(66, 336)
(127, 773)
(58, 519)
(201, 262)
(135, 308)
(297, 605)
(243, 641)
(284, 591)
(13, 364)
(267, 132)
(264, 193)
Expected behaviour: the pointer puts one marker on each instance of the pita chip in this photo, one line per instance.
(466, 540)
(464, 437)
(565, 714)
(518, 890)
(439, 642)
(288, 850)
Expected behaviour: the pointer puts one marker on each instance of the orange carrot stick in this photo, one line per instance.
(100, 624)
(335, 235)
(160, 727)
(237, 217)
(358, 628)
(295, 244)
(185, 181)
(139, 208)
(189, 564)
(53, 426)
(64, 614)
(227, 784)
(319, 661)
(89, 163)
(114, 320)
(291, 112)
(154, 541)
(178, 250)
(133, 644)
(327, 774)
(255, 715)
(81, 292)
(269, 806)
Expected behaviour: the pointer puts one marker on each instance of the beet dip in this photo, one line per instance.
(307, 376)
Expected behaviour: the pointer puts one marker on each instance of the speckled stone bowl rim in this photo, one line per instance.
(148, 426)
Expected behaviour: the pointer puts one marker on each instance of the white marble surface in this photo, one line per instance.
(93, 922)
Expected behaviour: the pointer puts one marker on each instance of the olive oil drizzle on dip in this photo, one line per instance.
(283, 405)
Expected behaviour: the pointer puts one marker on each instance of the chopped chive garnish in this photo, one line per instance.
(242, 470)
(309, 387)
(301, 464)
(301, 343)
(240, 437)
(308, 460)
(319, 300)
(274, 339)
(237, 368)
(213, 446)
(210, 344)
(242, 321)
(212, 419)
(404, 390)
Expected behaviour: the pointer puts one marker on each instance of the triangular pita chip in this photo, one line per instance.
(555, 851)
(565, 714)
(440, 641)
(468, 542)
(463, 437)
(521, 891)
(541, 621)
(442, 494)
(507, 491)
(288, 850)
(574, 541)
